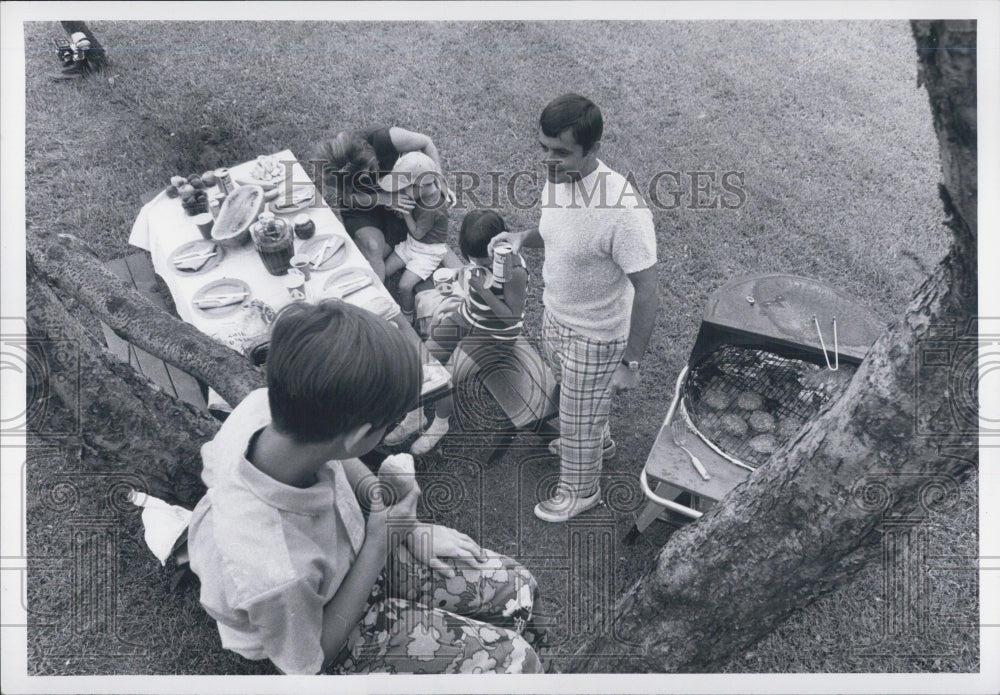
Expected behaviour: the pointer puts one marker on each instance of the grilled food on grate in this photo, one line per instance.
(749, 400)
(734, 425)
(761, 421)
(784, 393)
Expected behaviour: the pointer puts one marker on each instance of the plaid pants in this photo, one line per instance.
(583, 367)
(419, 621)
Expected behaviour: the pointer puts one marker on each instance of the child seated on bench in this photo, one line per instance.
(418, 180)
(290, 568)
(488, 318)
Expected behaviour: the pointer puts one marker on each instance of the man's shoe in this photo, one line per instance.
(565, 505)
(607, 452)
(414, 421)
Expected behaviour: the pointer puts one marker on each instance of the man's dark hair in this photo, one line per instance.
(332, 367)
(577, 114)
(478, 227)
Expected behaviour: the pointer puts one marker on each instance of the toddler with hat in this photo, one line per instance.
(417, 179)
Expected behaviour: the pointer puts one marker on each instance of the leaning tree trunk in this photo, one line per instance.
(804, 524)
(126, 421)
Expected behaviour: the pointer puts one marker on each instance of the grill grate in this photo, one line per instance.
(748, 402)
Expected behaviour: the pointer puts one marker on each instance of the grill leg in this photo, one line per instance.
(651, 511)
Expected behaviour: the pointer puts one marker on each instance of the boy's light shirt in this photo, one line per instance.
(270, 555)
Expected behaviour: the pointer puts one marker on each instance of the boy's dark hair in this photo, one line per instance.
(333, 366)
(478, 227)
(575, 113)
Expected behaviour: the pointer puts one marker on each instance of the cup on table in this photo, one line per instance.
(300, 262)
(204, 222)
(443, 279)
(295, 283)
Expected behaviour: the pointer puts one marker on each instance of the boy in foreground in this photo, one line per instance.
(290, 568)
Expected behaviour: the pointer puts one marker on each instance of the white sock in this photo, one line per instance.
(440, 423)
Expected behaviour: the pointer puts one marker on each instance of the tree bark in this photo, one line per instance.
(125, 420)
(803, 524)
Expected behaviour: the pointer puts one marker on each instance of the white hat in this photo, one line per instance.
(407, 170)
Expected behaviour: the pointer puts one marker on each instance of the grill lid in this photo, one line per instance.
(777, 310)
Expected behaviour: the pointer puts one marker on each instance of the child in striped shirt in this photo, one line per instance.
(491, 315)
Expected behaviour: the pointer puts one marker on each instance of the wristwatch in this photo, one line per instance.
(633, 366)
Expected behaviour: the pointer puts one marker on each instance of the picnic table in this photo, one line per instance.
(162, 226)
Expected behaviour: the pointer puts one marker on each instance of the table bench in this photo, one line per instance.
(137, 270)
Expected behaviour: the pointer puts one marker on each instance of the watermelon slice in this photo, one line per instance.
(238, 212)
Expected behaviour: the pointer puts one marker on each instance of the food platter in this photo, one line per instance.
(221, 297)
(334, 255)
(196, 257)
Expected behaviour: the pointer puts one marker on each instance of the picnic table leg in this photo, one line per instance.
(506, 439)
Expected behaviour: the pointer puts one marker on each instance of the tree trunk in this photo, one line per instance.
(803, 525)
(71, 267)
(127, 421)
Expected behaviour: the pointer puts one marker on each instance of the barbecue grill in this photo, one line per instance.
(771, 351)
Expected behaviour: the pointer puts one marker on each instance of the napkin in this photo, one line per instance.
(351, 285)
(332, 246)
(207, 302)
(192, 264)
(299, 194)
(163, 524)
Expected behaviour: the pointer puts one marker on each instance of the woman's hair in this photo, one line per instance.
(478, 227)
(332, 367)
(344, 158)
(575, 113)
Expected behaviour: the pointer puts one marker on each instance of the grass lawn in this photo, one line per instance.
(840, 167)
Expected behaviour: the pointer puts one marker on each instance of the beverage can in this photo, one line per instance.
(224, 181)
(501, 261)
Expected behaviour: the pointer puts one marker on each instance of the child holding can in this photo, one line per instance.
(490, 317)
(416, 177)
(290, 568)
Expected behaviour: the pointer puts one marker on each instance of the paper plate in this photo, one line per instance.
(344, 276)
(332, 258)
(294, 207)
(217, 287)
(197, 246)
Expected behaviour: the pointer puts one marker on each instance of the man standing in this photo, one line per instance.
(601, 293)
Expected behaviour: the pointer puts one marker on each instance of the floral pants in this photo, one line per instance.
(420, 621)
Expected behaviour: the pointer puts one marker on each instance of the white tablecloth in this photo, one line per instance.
(162, 226)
